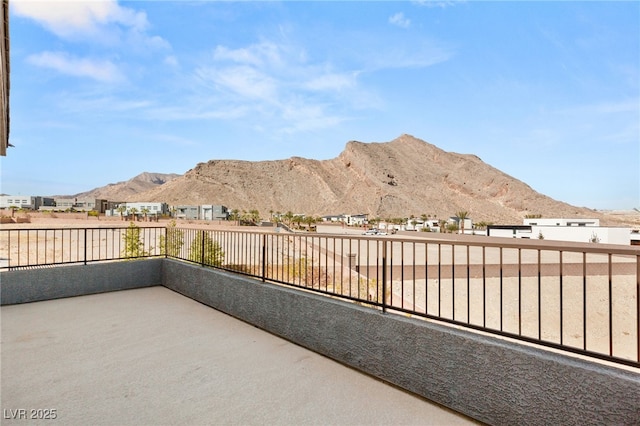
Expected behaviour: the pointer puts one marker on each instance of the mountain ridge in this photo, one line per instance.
(406, 176)
(124, 190)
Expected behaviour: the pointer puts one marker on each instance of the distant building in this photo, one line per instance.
(575, 230)
(349, 219)
(81, 204)
(416, 224)
(468, 224)
(561, 222)
(186, 212)
(333, 218)
(149, 209)
(202, 212)
(213, 212)
(356, 219)
(28, 202)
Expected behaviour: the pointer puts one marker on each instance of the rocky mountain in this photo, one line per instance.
(130, 189)
(406, 176)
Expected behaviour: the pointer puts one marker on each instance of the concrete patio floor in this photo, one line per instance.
(152, 356)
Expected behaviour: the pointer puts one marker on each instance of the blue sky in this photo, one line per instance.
(548, 92)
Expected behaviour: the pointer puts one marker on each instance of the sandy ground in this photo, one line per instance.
(519, 292)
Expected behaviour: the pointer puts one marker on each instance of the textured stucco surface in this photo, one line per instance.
(490, 379)
(33, 285)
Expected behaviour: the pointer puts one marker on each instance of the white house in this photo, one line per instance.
(468, 224)
(561, 222)
(29, 202)
(333, 218)
(575, 230)
(151, 209)
(349, 219)
(356, 219)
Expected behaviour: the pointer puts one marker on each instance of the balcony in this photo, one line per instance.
(449, 321)
(152, 356)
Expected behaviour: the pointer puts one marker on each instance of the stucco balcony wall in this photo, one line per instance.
(38, 284)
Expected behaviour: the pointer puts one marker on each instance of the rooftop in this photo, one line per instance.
(153, 356)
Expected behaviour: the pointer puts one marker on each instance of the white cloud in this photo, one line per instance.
(309, 117)
(420, 54)
(400, 20)
(100, 70)
(261, 54)
(172, 61)
(331, 81)
(438, 3)
(284, 90)
(242, 80)
(66, 18)
(97, 20)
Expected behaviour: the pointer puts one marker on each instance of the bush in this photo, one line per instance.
(133, 245)
(213, 254)
(173, 242)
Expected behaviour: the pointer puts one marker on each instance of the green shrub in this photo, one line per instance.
(213, 254)
(133, 245)
(173, 242)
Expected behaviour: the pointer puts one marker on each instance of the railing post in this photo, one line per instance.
(202, 249)
(638, 307)
(384, 276)
(166, 242)
(85, 246)
(264, 257)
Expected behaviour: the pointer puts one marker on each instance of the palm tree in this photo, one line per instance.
(121, 209)
(289, 217)
(254, 216)
(462, 215)
(133, 212)
(310, 220)
(145, 212)
(481, 225)
(235, 215)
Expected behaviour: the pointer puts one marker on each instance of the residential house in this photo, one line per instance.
(28, 202)
(214, 212)
(559, 229)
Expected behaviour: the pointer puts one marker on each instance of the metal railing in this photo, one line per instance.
(578, 298)
(27, 248)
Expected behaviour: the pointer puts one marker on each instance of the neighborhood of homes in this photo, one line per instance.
(576, 230)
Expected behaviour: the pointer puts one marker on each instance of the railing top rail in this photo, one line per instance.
(464, 240)
(520, 243)
(80, 228)
(447, 239)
